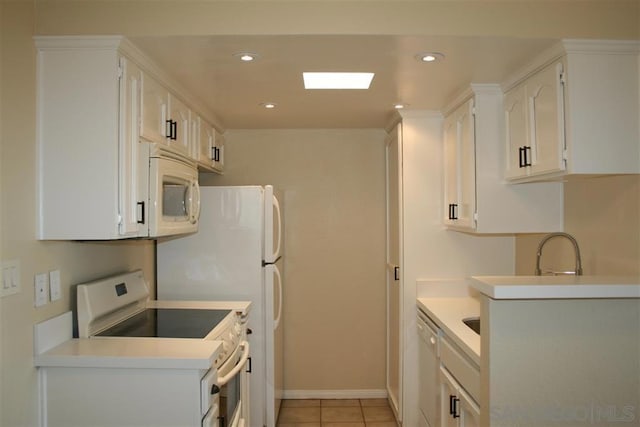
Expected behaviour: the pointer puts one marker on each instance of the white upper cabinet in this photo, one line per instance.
(477, 198)
(574, 111)
(101, 107)
(92, 169)
(207, 145)
(534, 119)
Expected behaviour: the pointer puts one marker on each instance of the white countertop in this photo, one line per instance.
(149, 353)
(448, 314)
(557, 287)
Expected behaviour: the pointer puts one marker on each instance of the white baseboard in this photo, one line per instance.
(335, 394)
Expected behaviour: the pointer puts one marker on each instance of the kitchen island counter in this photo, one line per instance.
(557, 287)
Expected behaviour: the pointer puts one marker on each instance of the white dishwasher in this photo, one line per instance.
(428, 354)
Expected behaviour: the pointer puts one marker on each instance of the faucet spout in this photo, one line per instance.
(545, 239)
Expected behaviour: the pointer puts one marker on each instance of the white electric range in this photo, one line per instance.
(136, 360)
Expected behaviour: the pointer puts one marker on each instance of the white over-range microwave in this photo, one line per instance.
(174, 195)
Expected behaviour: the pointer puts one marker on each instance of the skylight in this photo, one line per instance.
(337, 80)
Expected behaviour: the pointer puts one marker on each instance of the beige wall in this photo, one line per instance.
(334, 201)
(77, 262)
(603, 214)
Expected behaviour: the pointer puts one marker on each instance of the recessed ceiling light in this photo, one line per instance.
(429, 57)
(400, 106)
(268, 105)
(337, 80)
(246, 56)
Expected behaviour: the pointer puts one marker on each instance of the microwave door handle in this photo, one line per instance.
(194, 202)
(243, 360)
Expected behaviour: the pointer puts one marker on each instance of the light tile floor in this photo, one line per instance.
(336, 413)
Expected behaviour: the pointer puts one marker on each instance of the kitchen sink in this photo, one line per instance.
(473, 323)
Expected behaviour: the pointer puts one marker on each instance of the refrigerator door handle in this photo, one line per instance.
(276, 205)
(276, 321)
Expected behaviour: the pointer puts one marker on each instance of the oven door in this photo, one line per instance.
(232, 382)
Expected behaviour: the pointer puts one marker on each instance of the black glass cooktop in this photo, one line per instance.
(168, 323)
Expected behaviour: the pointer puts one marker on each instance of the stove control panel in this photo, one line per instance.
(230, 336)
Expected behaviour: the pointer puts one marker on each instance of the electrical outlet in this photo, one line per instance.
(55, 289)
(41, 289)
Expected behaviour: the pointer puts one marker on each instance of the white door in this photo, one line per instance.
(394, 269)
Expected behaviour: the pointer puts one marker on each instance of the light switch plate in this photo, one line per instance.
(41, 294)
(10, 278)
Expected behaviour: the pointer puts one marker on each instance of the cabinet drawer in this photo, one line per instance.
(465, 371)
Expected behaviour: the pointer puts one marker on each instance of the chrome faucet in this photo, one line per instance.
(578, 270)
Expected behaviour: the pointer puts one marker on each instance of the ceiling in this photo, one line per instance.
(233, 90)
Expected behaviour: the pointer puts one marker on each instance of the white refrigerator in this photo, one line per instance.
(236, 255)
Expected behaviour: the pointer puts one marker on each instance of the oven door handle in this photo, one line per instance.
(243, 360)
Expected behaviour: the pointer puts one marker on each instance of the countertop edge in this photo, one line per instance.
(550, 287)
(450, 333)
(130, 353)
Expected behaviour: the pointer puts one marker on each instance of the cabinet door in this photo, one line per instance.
(179, 115)
(450, 170)
(516, 132)
(449, 405)
(466, 166)
(206, 148)
(155, 101)
(469, 410)
(218, 156)
(460, 167)
(546, 120)
(133, 177)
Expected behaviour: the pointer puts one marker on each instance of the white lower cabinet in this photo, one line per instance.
(457, 408)
(449, 382)
(74, 396)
